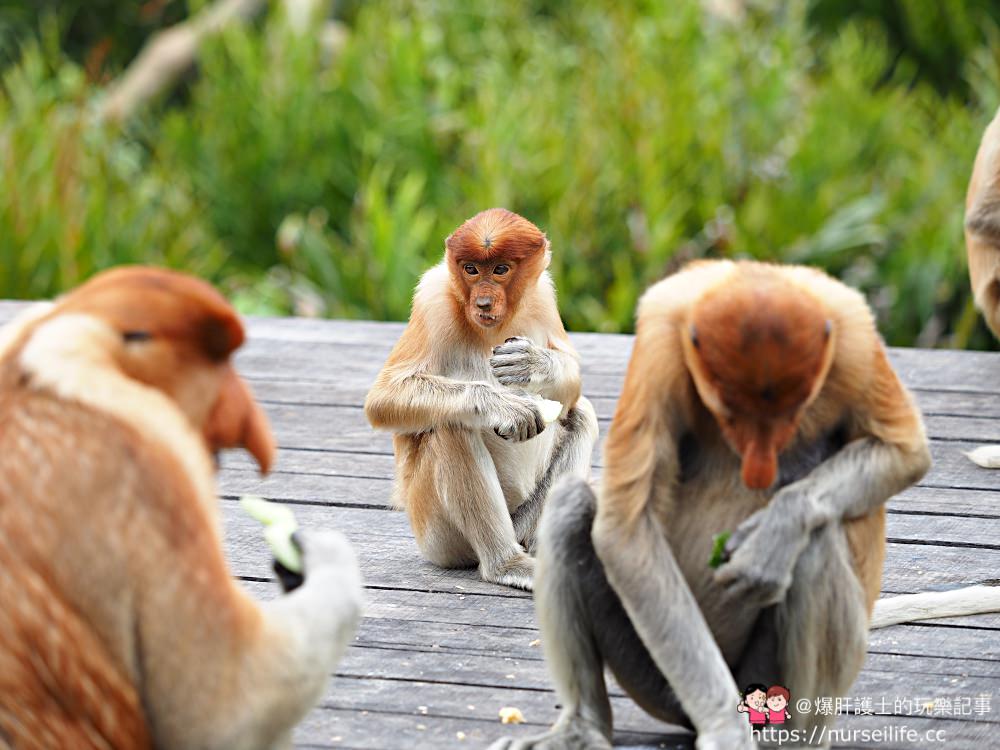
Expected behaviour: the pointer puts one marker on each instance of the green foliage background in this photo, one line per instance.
(638, 135)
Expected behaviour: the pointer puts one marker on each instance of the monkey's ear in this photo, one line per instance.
(237, 421)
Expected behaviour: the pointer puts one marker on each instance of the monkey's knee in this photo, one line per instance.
(564, 529)
(444, 544)
(438, 494)
(582, 420)
(823, 623)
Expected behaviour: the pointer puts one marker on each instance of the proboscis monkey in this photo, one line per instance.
(120, 625)
(982, 226)
(758, 401)
(474, 458)
(982, 243)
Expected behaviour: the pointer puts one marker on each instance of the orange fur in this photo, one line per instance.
(491, 238)
(439, 378)
(761, 345)
(494, 234)
(103, 523)
(673, 386)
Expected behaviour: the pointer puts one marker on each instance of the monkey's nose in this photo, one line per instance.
(484, 303)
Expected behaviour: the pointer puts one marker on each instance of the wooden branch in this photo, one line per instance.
(167, 55)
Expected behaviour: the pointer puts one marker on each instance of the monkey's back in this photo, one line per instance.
(60, 686)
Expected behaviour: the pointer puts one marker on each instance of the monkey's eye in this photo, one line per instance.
(131, 337)
(471, 269)
(501, 269)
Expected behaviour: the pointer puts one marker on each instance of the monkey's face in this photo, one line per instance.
(486, 286)
(758, 359)
(492, 258)
(176, 333)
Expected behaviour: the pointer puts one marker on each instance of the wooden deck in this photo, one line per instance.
(440, 652)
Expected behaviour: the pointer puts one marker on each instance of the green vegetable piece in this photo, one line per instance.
(719, 549)
(279, 525)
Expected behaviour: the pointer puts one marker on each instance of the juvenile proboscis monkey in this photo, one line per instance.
(120, 625)
(474, 458)
(758, 401)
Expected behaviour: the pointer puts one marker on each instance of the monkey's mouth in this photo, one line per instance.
(487, 320)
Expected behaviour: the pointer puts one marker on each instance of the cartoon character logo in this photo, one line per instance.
(753, 703)
(765, 705)
(777, 704)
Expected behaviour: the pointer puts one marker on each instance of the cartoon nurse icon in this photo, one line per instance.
(777, 704)
(753, 704)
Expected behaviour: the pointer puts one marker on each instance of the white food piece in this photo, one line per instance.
(279, 525)
(550, 410)
(988, 456)
(511, 715)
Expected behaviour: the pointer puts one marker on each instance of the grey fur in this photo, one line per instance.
(790, 574)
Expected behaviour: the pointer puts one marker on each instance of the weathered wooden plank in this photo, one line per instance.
(446, 641)
(974, 372)
(375, 492)
(383, 539)
(379, 675)
(342, 427)
(951, 468)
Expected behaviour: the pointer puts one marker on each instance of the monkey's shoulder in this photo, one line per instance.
(102, 455)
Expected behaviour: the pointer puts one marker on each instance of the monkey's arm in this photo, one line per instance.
(407, 398)
(553, 372)
(855, 481)
(222, 671)
(628, 537)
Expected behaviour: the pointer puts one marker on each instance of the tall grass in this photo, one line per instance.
(637, 135)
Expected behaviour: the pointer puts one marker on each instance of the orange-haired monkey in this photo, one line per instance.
(474, 458)
(758, 400)
(120, 625)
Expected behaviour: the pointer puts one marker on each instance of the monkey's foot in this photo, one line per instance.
(575, 734)
(518, 572)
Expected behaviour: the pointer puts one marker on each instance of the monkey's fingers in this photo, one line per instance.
(743, 532)
(513, 344)
(517, 360)
(324, 548)
(742, 583)
(289, 579)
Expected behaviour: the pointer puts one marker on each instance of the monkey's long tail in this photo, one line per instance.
(968, 600)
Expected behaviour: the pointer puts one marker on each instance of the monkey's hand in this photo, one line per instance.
(515, 416)
(761, 555)
(329, 555)
(518, 362)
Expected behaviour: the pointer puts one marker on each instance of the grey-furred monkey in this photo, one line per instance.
(474, 457)
(758, 400)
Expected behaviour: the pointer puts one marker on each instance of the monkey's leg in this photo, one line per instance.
(570, 456)
(583, 627)
(814, 642)
(465, 516)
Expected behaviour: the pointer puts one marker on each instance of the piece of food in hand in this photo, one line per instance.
(719, 549)
(279, 525)
(550, 410)
(511, 715)
(987, 456)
